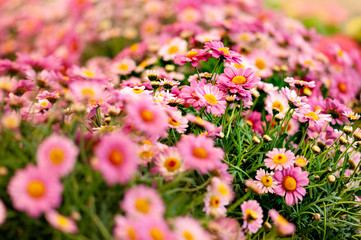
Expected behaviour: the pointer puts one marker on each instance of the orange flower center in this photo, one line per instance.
(171, 164)
(191, 54)
(200, 152)
(188, 236)
(211, 98)
(142, 205)
(267, 181)
(251, 215)
(215, 202)
(123, 67)
(131, 233)
(260, 64)
(36, 189)
(56, 156)
(239, 80)
(312, 115)
(224, 50)
(156, 234)
(342, 87)
(173, 122)
(116, 157)
(173, 50)
(147, 115)
(289, 183)
(279, 159)
(278, 105)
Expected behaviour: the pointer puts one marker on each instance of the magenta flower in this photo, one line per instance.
(290, 183)
(116, 158)
(199, 153)
(193, 56)
(57, 154)
(35, 190)
(279, 159)
(219, 50)
(189, 95)
(252, 216)
(336, 110)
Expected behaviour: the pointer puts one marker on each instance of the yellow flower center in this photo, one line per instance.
(251, 215)
(116, 157)
(301, 162)
(289, 183)
(191, 54)
(173, 122)
(62, 221)
(171, 164)
(188, 236)
(142, 205)
(222, 190)
(146, 115)
(156, 234)
(131, 233)
(146, 154)
(56, 156)
(89, 73)
(224, 50)
(36, 189)
(309, 63)
(282, 221)
(312, 115)
(279, 159)
(342, 87)
(260, 64)
(278, 105)
(238, 66)
(200, 152)
(267, 181)
(215, 202)
(173, 50)
(134, 47)
(123, 67)
(88, 93)
(138, 90)
(239, 80)
(211, 98)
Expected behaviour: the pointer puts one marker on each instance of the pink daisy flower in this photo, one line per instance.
(2, 213)
(279, 159)
(265, 181)
(299, 83)
(186, 228)
(314, 118)
(252, 216)
(263, 62)
(214, 205)
(351, 115)
(35, 190)
(300, 161)
(170, 162)
(57, 154)
(125, 228)
(224, 189)
(284, 227)
(335, 109)
(142, 201)
(176, 120)
(64, 224)
(276, 100)
(116, 158)
(219, 50)
(150, 118)
(188, 93)
(212, 98)
(171, 49)
(193, 56)
(123, 67)
(294, 101)
(227, 229)
(199, 153)
(290, 183)
(155, 229)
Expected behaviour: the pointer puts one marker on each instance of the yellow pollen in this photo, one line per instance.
(301, 162)
(316, 108)
(260, 64)
(214, 202)
(211, 98)
(267, 181)
(171, 164)
(312, 115)
(224, 50)
(279, 159)
(191, 54)
(156, 234)
(89, 73)
(251, 215)
(56, 155)
(62, 221)
(44, 103)
(188, 236)
(239, 80)
(88, 93)
(278, 105)
(123, 67)
(147, 115)
(146, 154)
(36, 189)
(222, 190)
(200, 152)
(142, 205)
(289, 183)
(173, 122)
(116, 157)
(173, 50)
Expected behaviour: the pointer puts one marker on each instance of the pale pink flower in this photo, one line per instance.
(2, 213)
(213, 98)
(64, 224)
(186, 228)
(170, 162)
(214, 205)
(265, 181)
(193, 56)
(171, 49)
(125, 228)
(284, 227)
(300, 83)
(155, 228)
(252, 216)
(279, 159)
(123, 66)
(218, 50)
(221, 188)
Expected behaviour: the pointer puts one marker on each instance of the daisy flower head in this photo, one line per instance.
(199, 153)
(125, 228)
(301, 161)
(142, 201)
(351, 115)
(263, 62)
(290, 183)
(214, 205)
(90, 91)
(279, 159)
(34, 190)
(2, 213)
(60, 222)
(10, 120)
(155, 229)
(57, 154)
(189, 95)
(193, 56)
(213, 98)
(187, 228)
(176, 120)
(116, 158)
(217, 49)
(314, 118)
(227, 229)
(221, 188)
(284, 227)
(150, 118)
(335, 109)
(252, 216)
(276, 100)
(123, 66)
(299, 83)
(265, 181)
(294, 101)
(170, 162)
(171, 49)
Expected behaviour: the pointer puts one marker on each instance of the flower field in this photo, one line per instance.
(184, 120)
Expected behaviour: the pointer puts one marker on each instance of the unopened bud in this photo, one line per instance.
(342, 217)
(75, 215)
(107, 119)
(316, 149)
(331, 178)
(329, 169)
(256, 140)
(169, 68)
(317, 216)
(3, 171)
(343, 140)
(357, 134)
(284, 68)
(278, 117)
(267, 138)
(276, 68)
(317, 177)
(152, 75)
(230, 99)
(347, 129)
(113, 111)
(267, 225)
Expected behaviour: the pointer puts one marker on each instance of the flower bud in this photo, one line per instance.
(329, 169)
(317, 177)
(256, 140)
(317, 216)
(347, 129)
(169, 68)
(278, 118)
(276, 68)
(267, 138)
(230, 99)
(3, 171)
(343, 140)
(284, 68)
(267, 225)
(316, 149)
(75, 215)
(331, 178)
(357, 135)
